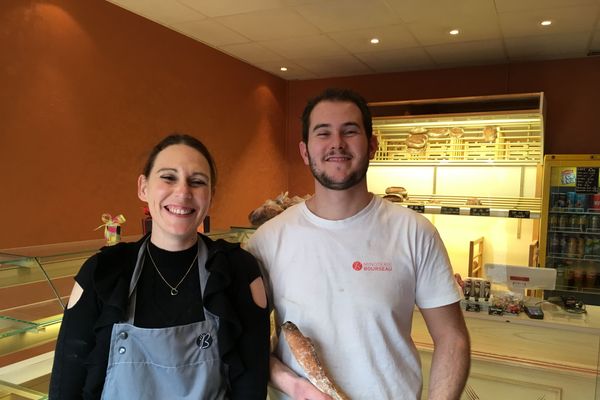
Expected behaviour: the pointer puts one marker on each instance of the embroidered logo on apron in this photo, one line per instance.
(204, 341)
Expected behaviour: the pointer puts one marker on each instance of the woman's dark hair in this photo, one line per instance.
(340, 95)
(180, 138)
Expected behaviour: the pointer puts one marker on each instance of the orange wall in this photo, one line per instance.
(572, 90)
(87, 88)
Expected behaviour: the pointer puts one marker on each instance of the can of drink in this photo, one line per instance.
(582, 201)
(594, 223)
(596, 201)
(571, 199)
(562, 200)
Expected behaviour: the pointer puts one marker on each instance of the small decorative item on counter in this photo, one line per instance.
(509, 303)
(146, 221)
(271, 208)
(476, 293)
(112, 228)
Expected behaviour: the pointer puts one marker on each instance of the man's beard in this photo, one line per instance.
(351, 180)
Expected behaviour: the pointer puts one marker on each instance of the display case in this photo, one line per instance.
(461, 159)
(514, 357)
(35, 284)
(570, 231)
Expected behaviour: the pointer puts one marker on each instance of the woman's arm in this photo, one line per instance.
(76, 339)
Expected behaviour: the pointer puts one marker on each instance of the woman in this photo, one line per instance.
(173, 316)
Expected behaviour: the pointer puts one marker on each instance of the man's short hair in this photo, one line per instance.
(341, 95)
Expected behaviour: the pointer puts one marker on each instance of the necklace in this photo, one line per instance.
(174, 290)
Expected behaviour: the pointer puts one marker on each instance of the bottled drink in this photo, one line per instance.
(572, 249)
(582, 222)
(594, 224)
(589, 247)
(553, 221)
(555, 244)
(563, 221)
(580, 247)
(574, 221)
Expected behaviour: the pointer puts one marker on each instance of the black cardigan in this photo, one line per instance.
(83, 342)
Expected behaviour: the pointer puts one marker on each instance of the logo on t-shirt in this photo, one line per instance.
(380, 266)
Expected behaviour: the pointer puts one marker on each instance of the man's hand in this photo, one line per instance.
(304, 390)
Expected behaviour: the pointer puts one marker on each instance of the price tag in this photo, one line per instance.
(450, 210)
(480, 211)
(518, 214)
(417, 208)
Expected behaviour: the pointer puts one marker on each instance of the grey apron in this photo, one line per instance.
(180, 362)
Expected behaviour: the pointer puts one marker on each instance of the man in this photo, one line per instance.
(348, 267)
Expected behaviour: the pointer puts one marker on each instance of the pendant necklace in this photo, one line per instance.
(174, 290)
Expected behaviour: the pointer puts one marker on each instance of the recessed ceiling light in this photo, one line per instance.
(454, 32)
(283, 69)
(546, 23)
(374, 41)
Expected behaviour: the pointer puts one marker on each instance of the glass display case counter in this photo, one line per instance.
(35, 284)
(515, 357)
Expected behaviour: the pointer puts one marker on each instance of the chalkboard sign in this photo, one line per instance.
(450, 210)
(419, 209)
(587, 180)
(480, 212)
(518, 214)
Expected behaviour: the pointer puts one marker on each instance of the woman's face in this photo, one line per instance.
(178, 192)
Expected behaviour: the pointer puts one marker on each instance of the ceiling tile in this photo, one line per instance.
(565, 20)
(339, 15)
(334, 66)
(390, 37)
(397, 60)
(219, 8)
(444, 12)
(294, 70)
(306, 47)
(161, 11)
(547, 46)
(479, 52)
(252, 53)
(210, 32)
(269, 24)
(520, 5)
(433, 33)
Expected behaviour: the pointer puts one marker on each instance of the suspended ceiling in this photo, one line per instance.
(330, 38)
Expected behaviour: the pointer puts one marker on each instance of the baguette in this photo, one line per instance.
(305, 354)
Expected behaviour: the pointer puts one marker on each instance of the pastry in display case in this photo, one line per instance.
(460, 159)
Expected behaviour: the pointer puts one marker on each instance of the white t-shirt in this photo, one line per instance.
(351, 286)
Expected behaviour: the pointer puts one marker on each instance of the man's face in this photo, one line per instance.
(338, 151)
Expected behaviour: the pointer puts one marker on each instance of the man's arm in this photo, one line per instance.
(451, 352)
(298, 388)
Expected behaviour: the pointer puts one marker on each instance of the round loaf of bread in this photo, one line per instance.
(396, 190)
(394, 198)
(416, 141)
(457, 132)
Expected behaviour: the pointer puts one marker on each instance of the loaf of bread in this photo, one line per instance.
(396, 190)
(490, 133)
(438, 132)
(394, 198)
(457, 132)
(416, 141)
(418, 131)
(473, 201)
(305, 354)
